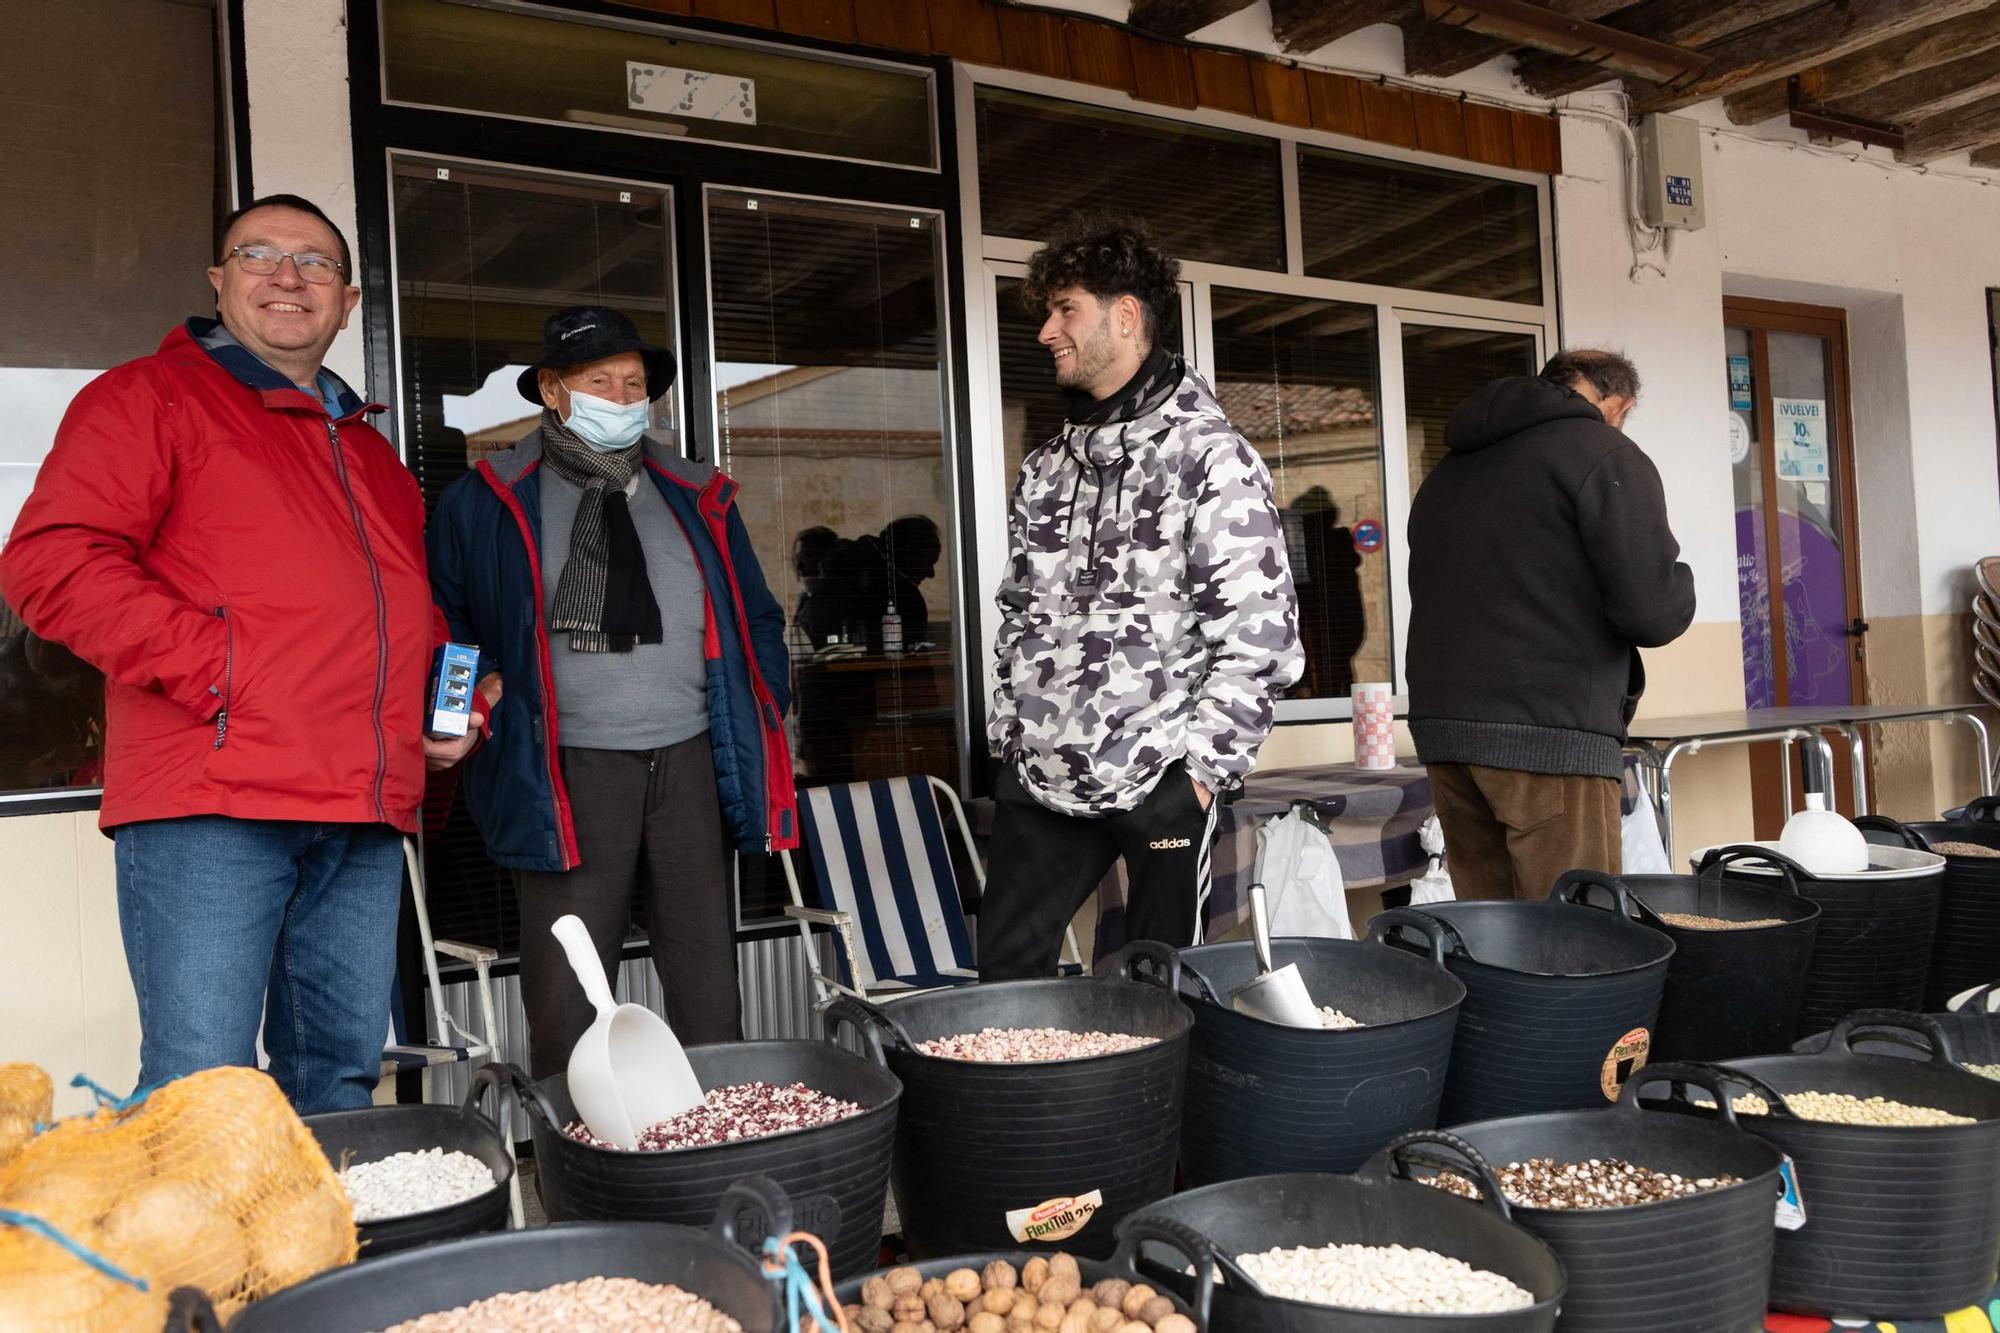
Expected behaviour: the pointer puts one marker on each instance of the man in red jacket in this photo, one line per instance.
(222, 533)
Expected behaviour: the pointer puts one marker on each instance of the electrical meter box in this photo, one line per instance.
(1671, 192)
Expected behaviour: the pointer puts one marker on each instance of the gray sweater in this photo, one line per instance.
(657, 694)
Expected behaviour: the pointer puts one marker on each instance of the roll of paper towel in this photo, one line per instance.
(1374, 726)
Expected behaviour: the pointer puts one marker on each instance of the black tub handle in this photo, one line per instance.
(533, 1098)
(1982, 810)
(189, 1311)
(1943, 1050)
(1680, 1074)
(1144, 961)
(1575, 885)
(491, 1075)
(1396, 1160)
(1905, 835)
(1773, 1099)
(759, 1192)
(1191, 1244)
(869, 1023)
(1435, 929)
(1203, 991)
(1718, 859)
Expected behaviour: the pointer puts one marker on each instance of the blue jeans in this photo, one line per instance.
(229, 921)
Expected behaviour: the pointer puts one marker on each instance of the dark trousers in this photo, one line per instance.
(647, 821)
(1043, 867)
(1509, 834)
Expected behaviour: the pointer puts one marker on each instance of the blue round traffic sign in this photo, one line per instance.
(1367, 536)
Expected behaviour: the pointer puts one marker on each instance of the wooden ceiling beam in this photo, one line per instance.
(1871, 67)
(1439, 50)
(1535, 25)
(1307, 25)
(1178, 18)
(1689, 23)
(1777, 51)
(1929, 92)
(1974, 126)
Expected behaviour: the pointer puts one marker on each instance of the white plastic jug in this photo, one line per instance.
(1824, 841)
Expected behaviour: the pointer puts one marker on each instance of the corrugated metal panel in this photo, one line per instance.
(772, 974)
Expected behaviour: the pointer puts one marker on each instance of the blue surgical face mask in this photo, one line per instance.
(604, 425)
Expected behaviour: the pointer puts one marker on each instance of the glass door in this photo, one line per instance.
(1797, 580)
(831, 410)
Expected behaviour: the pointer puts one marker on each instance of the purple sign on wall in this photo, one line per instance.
(1815, 598)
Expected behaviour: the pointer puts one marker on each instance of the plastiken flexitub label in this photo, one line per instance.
(1054, 1219)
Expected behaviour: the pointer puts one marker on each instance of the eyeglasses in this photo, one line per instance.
(263, 261)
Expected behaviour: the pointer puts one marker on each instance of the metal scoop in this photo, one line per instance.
(1276, 996)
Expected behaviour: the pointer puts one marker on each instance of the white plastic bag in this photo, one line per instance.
(1645, 853)
(1301, 877)
(1434, 885)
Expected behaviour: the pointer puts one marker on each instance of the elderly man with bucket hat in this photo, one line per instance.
(637, 663)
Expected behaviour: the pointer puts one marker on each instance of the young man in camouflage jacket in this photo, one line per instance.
(1147, 615)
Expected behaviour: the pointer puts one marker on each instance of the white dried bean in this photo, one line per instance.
(1024, 1045)
(1331, 1018)
(1842, 1108)
(1383, 1277)
(414, 1182)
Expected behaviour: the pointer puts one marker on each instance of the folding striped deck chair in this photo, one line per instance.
(886, 887)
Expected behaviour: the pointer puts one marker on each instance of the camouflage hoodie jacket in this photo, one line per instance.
(1147, 612)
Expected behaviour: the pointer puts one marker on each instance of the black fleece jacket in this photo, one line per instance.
(1540, 562)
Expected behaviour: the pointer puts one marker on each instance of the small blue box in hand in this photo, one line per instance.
(451, 689)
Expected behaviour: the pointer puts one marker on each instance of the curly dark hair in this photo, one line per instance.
(1108, 257)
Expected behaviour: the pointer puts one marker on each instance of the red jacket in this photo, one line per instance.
(248, 573)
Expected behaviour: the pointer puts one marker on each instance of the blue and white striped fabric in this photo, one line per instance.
(879, 854)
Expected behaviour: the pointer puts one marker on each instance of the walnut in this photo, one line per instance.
(1022, 1314)
(875, 1293)
(1132, 1326)
(947, 1311)
(907, 1326)
(931, 1287)
(905, 1279)
(1153, 1311)
(1107, 1318)
(1076, 1321)
(910, 1307)
(1034, 1273)
(1048, 1317)
(1111, 1291)
(872, 1319)
(998, 1300)
(1062, 1288)
(963, 1284)
(1135, 1299)
(999, 1274)
(985, 1321)
(1175, 1323)
(1061, 1265)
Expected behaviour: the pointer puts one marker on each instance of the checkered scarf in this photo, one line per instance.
(604, 600)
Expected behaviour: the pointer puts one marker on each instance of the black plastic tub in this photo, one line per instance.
(1560, 1000)
(1701, 1264)
(371, 1133)
(1041, 1156)
(1876, 928)
(1193, 1251)
(1377, 1205)
(1900, 1221)
(836, 1176)
(364, 1297)
(1267, 1097)
(1966, 952)
(1729, 993)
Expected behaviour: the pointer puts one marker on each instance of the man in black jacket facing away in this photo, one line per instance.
(1540, 563)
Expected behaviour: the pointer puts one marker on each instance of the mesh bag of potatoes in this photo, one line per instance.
(27, 1100)
(209, 1181)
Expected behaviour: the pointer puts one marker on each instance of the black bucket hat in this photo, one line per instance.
(584, 333)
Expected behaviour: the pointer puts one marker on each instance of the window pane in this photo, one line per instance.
(1297, 377)
(1371, 220)
(1031, 407)
(1441, 368)
(619, 74)
(482, 259)
(830, 412)
(114, 191)
(1208, 194)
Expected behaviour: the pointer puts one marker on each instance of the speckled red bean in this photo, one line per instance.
(735, 1112)
(1025, 1045)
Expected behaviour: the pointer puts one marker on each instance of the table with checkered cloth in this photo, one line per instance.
(1372, 818)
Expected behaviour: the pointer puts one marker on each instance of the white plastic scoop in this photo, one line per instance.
(1278, 996)
(1819, 837)
(628, 1071)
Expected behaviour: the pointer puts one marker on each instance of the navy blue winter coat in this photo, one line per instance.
(485, 545)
